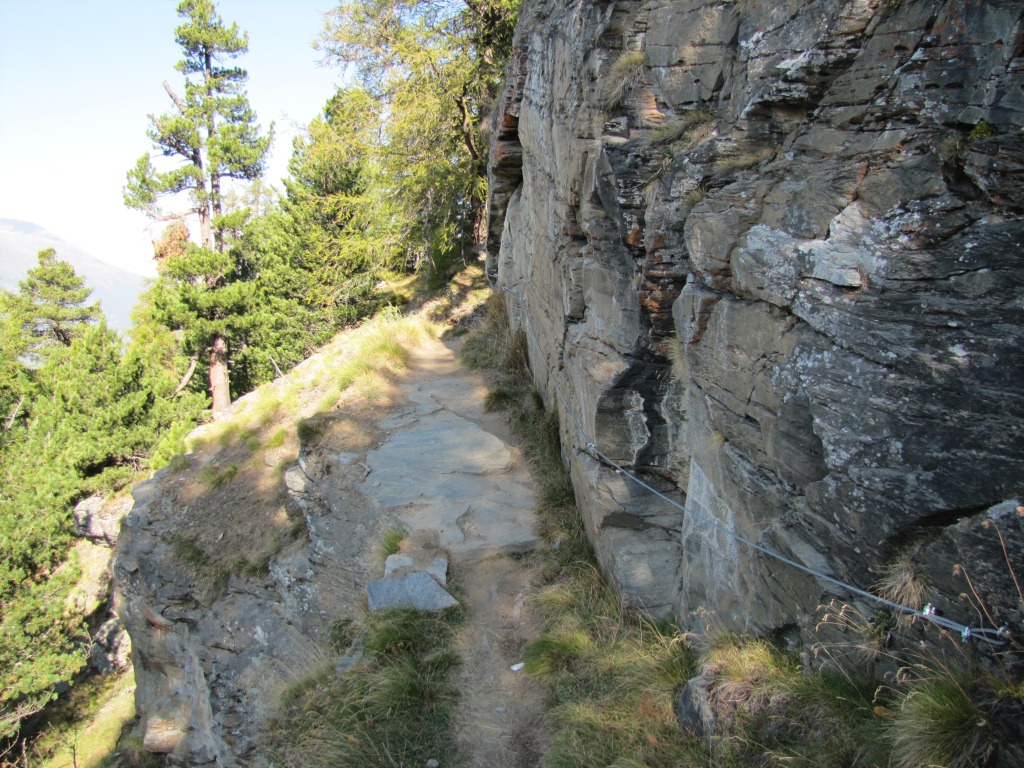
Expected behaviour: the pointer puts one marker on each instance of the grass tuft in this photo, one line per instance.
(214, 477)
(393, 709)
(685, 126)
(741, 161)
(903, 582)
(277, 439)
(695, 195)
(179, 463)
(623, 75)
(940, 724)
(391, 543)
(552, 654)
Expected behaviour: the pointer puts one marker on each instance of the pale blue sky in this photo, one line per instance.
(78, 79)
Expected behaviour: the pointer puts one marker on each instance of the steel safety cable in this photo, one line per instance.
(927, 613)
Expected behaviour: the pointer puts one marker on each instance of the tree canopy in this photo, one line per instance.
(81, 415)
(430, 70)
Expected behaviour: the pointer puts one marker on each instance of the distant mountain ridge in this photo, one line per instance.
(116, 289)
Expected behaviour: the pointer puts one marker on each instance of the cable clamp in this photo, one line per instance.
(928, 610)
(1004, 632)
(966, 635)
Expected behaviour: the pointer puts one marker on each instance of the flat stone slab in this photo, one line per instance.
(413, 590)
(435, 567)
(446, 474)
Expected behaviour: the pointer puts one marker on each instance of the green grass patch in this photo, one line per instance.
(179, 463)
(393, 709)
(214, 477)
(770, 708)
(612, 678)
(940, 723)
(380, 347)
(391, 542)
(277, 439)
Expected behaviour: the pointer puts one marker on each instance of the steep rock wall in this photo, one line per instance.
(769, 256)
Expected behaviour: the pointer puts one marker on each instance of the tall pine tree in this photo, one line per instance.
(214, 135)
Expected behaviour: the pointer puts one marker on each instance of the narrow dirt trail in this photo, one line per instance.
(450, 471)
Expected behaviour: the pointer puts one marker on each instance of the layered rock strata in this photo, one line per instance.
(768, 256)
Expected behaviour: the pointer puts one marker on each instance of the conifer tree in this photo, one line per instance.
(213, 133)
(82, 418)
(51, 305)
(343, 218)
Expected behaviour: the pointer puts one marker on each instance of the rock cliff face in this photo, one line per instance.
(769, 256)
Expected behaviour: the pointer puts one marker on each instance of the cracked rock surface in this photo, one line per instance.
(780, 277)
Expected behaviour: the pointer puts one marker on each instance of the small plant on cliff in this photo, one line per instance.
(695, 195)
(214, 477)
(623, 75)
(686, 123)
(740, 161)
(903, 581)
(178, 463)
(952, 149)
(982, 130)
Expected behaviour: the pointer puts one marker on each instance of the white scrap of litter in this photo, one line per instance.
(517, 667)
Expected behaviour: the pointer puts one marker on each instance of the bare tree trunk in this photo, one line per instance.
(205, 230)
(220, 388)
(188, 375)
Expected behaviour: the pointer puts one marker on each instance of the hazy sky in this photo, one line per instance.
(78, 79)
